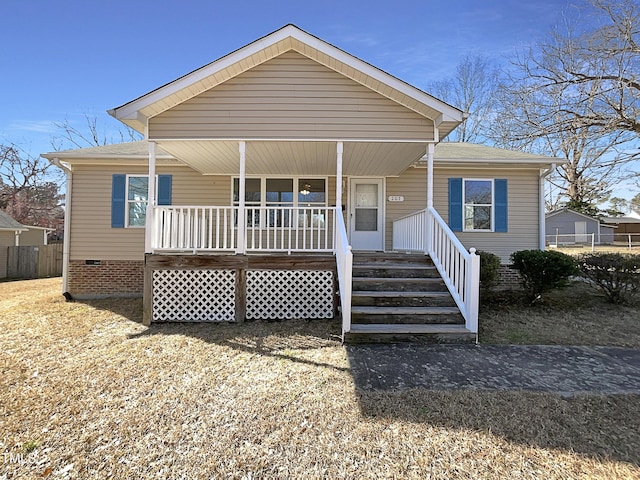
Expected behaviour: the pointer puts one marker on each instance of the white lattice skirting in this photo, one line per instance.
(286, 294)
(194, 295)
(210, 295)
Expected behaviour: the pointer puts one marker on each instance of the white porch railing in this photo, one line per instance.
(267, 229)
(289, 229)
(188, 228)
(426, 231)
(344, 261)
(409, 232)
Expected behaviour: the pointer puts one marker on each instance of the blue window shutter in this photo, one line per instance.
(118, 191)
(455, 204)
(164, 189)
(500, 198)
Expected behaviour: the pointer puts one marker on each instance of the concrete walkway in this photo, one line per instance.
(561, 370)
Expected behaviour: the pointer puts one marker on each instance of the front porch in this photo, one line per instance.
(206, 264)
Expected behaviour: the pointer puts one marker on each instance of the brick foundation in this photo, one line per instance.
(509, 278)
(111, 278)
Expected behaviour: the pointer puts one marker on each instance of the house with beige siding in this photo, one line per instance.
(290, 179)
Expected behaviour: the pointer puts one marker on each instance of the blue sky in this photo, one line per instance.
(64, 58)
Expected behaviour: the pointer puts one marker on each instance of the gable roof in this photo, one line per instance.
(138, 149)
(461, 152)
(7, 222)
(568, 210)
(619, 220)
(137, 112)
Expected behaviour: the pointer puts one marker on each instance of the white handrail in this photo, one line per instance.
(426, 231)
(459, 268)
(409, 232)
(344, 262)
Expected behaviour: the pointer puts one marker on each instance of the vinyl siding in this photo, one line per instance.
(92, 236)
(523, 205)
(290, 97)
(32, 237)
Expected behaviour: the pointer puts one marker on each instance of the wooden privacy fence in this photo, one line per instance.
(34, 261)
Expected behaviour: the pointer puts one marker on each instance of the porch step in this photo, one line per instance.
(387, 284)
(402, 299)
(391, 333)
(391, 258)
(395, 270)
(405, 315)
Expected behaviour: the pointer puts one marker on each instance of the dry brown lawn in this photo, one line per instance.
(86, 392)
(578, 315)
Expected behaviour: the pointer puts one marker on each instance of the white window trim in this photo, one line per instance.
(127, 201)
(263, 192)
(493, 204)
(296, 180)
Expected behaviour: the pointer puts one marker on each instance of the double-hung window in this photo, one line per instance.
(478, 205)
(137, 198)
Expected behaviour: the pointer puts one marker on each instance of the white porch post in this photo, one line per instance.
(430, 150)
(242, 223)
(151, 200)
(339, 150)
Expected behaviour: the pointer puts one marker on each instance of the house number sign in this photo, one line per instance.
(396, 198)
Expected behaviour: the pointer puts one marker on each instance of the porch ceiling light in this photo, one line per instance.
(306, 189)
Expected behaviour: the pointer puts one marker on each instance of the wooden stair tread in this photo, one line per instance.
(404, 310)
(408, 328)
(375, 293)
(392, 266)
(395, 280)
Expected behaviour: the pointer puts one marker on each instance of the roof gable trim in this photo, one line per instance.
(131, 110)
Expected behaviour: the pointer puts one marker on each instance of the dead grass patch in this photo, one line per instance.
(88, 393)
(578, 315)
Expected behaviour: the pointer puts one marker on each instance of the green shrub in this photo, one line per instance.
(615, 274)
(489, 270)
(542, 271)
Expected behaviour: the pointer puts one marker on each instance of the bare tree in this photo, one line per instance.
(473, 91)
(596, 71)
(559, 100)
(90, 134)
(28, 188)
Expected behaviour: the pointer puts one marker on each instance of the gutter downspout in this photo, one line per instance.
(67, 226)
(541, 208)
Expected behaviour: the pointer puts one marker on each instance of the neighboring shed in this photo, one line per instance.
(34, 236)
(568, 226)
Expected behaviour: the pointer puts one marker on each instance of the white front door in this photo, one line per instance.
(366, 212)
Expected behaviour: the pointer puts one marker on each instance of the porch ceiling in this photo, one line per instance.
(221, 157)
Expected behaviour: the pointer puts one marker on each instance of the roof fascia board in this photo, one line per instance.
(498, 161)
(447, 112)
(129, 111)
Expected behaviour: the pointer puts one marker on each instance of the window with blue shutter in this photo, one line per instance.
(455, 204)
(164, 189)
(118, 195)
(478, 205)
(500, 208)
(129, 198)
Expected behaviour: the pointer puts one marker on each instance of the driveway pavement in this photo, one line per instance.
(565, 371)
